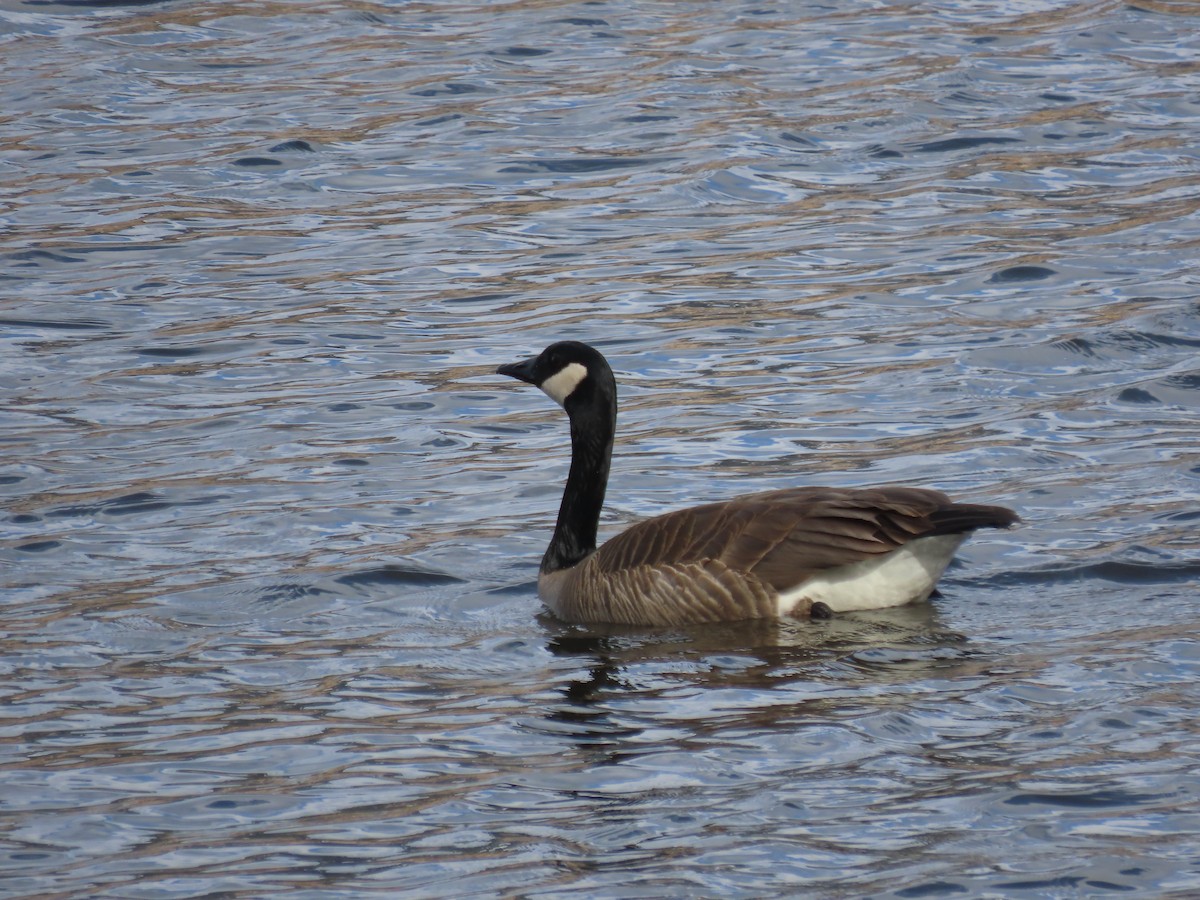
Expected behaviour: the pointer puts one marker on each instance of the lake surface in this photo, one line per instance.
(270, 524)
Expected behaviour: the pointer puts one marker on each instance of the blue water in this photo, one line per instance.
(270, 522)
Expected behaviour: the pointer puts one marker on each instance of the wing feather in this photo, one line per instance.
(783, 537)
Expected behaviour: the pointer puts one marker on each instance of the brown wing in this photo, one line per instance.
(783, 537)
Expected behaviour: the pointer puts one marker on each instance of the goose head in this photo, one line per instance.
(572, 374)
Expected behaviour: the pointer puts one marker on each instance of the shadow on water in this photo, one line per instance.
(772, 673)
(780, 647)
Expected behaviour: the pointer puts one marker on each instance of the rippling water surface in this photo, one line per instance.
(270, 524)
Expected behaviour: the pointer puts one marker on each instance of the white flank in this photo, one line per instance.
(558, 387)
(903, 576)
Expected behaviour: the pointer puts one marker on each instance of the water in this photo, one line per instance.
(270, 524)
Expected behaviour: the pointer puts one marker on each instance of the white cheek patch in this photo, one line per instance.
(558, 387)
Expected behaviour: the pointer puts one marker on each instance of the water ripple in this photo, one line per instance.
(271, 523)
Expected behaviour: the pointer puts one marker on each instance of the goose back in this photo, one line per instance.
(736, 559)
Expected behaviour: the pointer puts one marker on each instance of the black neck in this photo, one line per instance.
(592, 427)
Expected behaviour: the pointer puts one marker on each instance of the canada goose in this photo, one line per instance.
(791, 552)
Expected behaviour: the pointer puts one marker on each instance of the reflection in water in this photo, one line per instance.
(270, 524)
(763, 659)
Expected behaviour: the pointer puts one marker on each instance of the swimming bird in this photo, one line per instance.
(803, 551)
